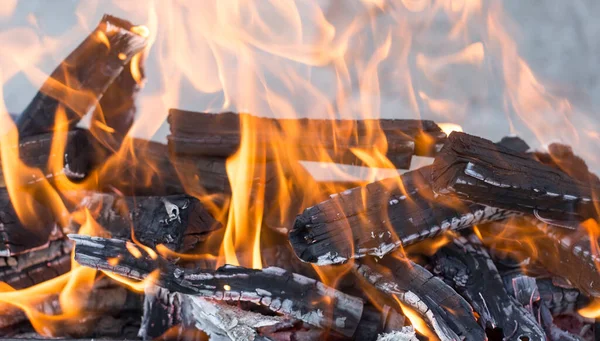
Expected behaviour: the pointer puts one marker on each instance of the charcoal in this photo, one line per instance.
(278, 290)
(196, 133)
(378, 218)
(470, 270)
(477, 170)
(179, 222)
(444, 310)
(86, 73)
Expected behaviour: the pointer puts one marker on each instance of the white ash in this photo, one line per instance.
(330, 258)
(405, 334)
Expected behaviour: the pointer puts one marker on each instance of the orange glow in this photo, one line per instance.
(450, 127)
(416, 320)
(592, 310)
(137, 286)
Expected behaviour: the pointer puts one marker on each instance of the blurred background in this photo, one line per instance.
(495, 68)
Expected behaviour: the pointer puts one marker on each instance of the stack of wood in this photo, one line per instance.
(491, 241)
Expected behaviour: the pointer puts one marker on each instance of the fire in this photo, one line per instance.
(416, 320)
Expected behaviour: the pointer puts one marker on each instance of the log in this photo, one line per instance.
(196, 133)
(179, 222)
(83, 77)
(36, 151)
(274, 288)
(446, 312)
(469, 269)
(17, 238)
(378, 218)
(477, 170)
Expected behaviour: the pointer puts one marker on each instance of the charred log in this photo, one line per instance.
(477, 170)
(378, 218)
(469, 269)
(445, 311)
(280, 291)
(196, 133)
(178, 222)
(83, 77)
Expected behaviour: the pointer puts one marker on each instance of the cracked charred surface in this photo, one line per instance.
(444, 310)
(379, 217)
(195, 133)
(278, 290)
(477, 170)
(469, 269)
(88, 71)
(179, 222)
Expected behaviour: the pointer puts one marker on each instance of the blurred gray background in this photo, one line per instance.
(495, 67)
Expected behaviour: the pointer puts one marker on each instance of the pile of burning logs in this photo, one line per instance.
(491, 241)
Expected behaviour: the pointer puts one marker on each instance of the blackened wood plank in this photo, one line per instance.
(87, 72)
(278, 290)
(475, 169)
(220, 135)
(179, 222)
(469, 269)
(378, 218)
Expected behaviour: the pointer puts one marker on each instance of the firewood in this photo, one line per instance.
(477, 170)
(15, 237)
(83, 77)
(36, 151)
(179, 222)
(378, 218)
(220, 135)
(470, 270)
(278, 290)
(445, 311)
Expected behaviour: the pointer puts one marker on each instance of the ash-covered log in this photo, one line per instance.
(470, 270)
(478, 170)
(278, 290)
(82, 78)
(17, 237)
(378, 218)
(178, 222)
(444, 310)
(195, 133)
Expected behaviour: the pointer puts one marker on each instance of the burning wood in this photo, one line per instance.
(195, 133)
(472, 272)
(81, 80)
(447, 313)
(475, 169)
(378, 218)
(274, 288)
(178, 222)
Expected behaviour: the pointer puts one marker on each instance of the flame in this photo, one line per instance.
(137, 286)
(416, 320)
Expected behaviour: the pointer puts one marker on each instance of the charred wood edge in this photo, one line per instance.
(526, 291)
(357, 222)
(278, 290)
(89, 69)
(35, 151)
(106, 298)
(470, 270)
(446, 312)
(477, 170)
(15, 238)
(559, 300)
(180, 222)
(220, 135)
(36, 266)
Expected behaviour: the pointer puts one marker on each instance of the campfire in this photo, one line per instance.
(292, 215)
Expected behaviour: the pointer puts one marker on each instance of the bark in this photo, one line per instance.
(378, 218)
(87, 72)
(477, 170)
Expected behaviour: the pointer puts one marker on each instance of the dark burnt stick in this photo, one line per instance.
(278, 290)
(378, 218)
(470, 270)
(445, 311)
(16, 237)
(220, 135)
(86, 73)
(477, 170)
(180, 222)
